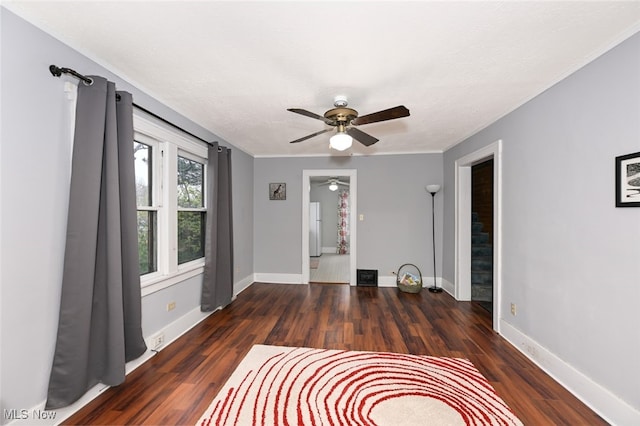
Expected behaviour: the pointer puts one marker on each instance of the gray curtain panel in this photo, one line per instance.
(217, 285)
(99, 327)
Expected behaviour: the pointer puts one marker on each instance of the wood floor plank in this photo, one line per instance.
(178, 384)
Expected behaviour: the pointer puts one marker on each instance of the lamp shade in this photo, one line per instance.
(432, 189)
(340, 141)
(333, 186)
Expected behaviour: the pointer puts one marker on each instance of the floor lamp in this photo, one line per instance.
(433, 189)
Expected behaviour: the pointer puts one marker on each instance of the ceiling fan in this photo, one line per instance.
(333, 183)
(344, 119)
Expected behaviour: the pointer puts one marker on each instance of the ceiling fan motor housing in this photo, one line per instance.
(340, 115)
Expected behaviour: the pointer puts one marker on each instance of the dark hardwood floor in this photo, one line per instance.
(177, 385)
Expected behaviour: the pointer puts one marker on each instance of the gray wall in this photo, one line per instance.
(391, 195)
(35, 172)
(571, 260)
(242, 169)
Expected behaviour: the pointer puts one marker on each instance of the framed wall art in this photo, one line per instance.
(277, 191)
(628, 180)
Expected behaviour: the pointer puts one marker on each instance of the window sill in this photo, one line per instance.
(156, 282)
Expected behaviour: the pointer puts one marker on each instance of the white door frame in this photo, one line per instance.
(353, 206)
(463, 225)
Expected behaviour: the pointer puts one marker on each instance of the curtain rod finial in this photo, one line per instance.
(55, 71)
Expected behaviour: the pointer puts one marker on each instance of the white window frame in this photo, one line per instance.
(168, 144)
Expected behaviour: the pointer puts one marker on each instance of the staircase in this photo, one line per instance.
(481, 264)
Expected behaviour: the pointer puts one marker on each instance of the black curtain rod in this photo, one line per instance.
(57, 72)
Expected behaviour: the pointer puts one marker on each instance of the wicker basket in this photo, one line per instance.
(409, 278)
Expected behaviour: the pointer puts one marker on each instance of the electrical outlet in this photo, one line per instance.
(513, 309)
(171, 306)
(157, 341)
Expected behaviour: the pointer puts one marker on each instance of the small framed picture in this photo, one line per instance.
(628, 180)
(277, 191)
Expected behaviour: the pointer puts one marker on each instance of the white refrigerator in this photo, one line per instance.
(315, 229)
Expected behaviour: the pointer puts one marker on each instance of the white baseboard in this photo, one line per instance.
(242, 285)
(183, 324)
(262, 277)
(386, 281)
(611, 408)
(390, 281)
(447, 286)
(383, 281)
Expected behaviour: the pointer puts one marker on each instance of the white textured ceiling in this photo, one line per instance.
(235, 67)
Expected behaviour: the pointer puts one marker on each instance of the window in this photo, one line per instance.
(191, 211)
(170, 193)
(147, 214)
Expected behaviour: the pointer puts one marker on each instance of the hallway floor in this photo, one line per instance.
(332, 268)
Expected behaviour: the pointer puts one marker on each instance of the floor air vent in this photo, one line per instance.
(367, 278)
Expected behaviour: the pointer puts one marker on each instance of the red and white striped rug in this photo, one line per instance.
(275, 385)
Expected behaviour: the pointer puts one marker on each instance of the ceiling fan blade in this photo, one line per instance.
(360, 136)
(306, 113)
(387, 114)
(311, 135)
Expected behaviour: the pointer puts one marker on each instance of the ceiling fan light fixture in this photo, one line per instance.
(333, 186)
(340, 141)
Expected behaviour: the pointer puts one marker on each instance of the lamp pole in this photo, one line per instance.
(433, 189)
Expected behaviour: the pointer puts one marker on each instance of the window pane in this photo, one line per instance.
(190, 183)
(191, 227)
(147, 241)
(143, 167)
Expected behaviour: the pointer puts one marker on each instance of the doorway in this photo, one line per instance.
(329, 229)
(463, 225)
(482, 234)
(312, 178)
